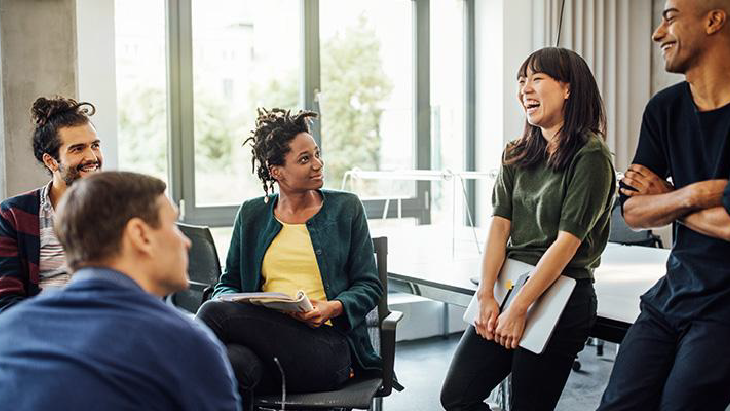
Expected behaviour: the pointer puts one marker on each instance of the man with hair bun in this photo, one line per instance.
(31, 257)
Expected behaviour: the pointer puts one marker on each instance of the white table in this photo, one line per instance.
(434, 266)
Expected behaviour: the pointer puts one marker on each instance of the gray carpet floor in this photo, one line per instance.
(421, 366)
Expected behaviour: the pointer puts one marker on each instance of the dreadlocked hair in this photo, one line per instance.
(274, 130)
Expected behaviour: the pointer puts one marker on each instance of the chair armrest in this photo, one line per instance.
(391, 320)
(207, 292)
(387, 350)
(197, 286)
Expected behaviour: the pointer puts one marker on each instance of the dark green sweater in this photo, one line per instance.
(344, 252)
(540, 202)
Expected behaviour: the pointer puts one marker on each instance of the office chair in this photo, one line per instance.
(622, 234)
(364, 392)
(204, 268)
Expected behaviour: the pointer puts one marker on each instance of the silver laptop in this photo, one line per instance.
(542, 316)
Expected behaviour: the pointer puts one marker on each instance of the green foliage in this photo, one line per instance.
(216, 134)
(143, 131)
(354, 87)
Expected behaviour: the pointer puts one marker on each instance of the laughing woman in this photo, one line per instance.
(552, 203)
(303, 238)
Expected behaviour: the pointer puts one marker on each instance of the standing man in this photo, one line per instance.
(676, 356)
(107, 341)
(31, 258)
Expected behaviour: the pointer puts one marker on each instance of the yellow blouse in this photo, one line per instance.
(290, 265)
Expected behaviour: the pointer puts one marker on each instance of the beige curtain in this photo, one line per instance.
(614, 37)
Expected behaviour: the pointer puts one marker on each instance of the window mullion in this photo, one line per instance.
(311, 68)
(422, 100)
(470, 107)
(180, 103)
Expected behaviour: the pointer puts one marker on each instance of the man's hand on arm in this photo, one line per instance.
(654, 202)
(644, 181)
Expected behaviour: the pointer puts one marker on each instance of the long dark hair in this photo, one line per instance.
(270, 139)
(583, 111)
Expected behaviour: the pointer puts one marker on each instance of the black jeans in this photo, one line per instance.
(313, 359)
(668, 365)
(479, 365)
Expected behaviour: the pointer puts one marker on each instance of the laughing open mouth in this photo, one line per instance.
(89, 167)
(531, 105)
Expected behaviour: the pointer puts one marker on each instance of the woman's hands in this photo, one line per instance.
(323, 311)
(506, 328)
(486, 321)
(510, 326)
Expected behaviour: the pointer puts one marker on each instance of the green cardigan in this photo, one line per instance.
(344, 252)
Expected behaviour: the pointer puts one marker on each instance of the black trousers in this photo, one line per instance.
(667, 365)
(313, 359)
(479, 365)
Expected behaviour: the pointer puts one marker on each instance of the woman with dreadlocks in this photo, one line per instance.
(301, 238)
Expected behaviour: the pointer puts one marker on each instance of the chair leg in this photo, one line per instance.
(599, 347)
(377, 404)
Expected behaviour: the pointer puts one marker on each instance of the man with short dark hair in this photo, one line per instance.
(107, 341)
(676, 356)
(31, 257)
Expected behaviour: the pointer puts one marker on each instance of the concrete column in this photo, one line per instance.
(38, 51)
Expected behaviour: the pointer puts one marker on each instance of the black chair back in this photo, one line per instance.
(204, 268)
(621, 233)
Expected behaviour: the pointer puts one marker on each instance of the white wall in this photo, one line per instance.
(96, 74)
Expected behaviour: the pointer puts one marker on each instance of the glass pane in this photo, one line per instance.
(246, 54)
(366, 103)
(447, 84)
(141, 86)
(447, 103)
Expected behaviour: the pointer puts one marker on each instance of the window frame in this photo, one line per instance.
(180, 133)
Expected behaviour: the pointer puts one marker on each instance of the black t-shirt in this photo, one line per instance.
(681, 142)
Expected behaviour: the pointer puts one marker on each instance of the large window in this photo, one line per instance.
(366, 103)
(245, 55)
(388, 78)
(447, 102)
(141, 86)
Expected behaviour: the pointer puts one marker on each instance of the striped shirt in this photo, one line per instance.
(53, 270)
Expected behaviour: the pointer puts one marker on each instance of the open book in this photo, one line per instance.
(277, 301)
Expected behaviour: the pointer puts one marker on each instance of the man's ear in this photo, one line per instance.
(137, 236)
(50, 162)
(716, 21)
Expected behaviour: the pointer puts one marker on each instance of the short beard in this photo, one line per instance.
(70, 174)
